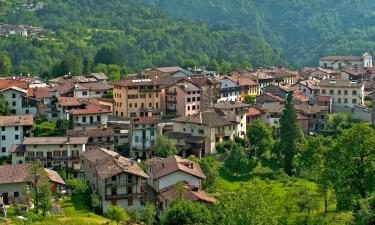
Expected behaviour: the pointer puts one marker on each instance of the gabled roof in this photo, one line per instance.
(207, 118)
(203, 81)
(341, 58)
(17, 120)
(90, 108)
(253, 112)
(10, 82)
(54, 140)
(164, 167)
(242, 81)
(340, 83)
(191, 193)
(96, 132)
(230, 105)
(99, 76)
(94, 86)
(109, 163)
(54, 176)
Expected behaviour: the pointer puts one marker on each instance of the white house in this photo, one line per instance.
(13, 130)
(18, 102)
(142, 136)
(338, 62)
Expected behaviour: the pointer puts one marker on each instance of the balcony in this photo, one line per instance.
(146, 90)
(171, 101)
(219, 134)
(111, 183)
(124, 196)
(51, 158)
(171, 93)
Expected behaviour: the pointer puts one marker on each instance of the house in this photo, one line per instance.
(137, 97)
(357, 74)
(267, 98)
(316, 116)
(283, 75)
(53, 152)
(344, 93)
(338, 62)
(252, 114)
(262, 78)
(90, 115)
(183, 99)
(161, 72)
(280, 90)
(13, 129)
(198, 134)
(97, 137)
(117, 180)
(229, 90)
(271, 113)
(326, 101)
(18, 101)
(210, 90)
(247, 86)
(91, 90)
(308, 88)
(14, 180)
(142, 136)
(100, 77)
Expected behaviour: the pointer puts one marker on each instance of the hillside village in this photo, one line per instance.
(110, 134)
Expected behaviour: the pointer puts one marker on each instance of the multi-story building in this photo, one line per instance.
(91, 90)
(142, 136)
(210, 90)
(97, 137)
(137, 97)
(18, 101)
(316, 116)
(116, 179)
(198, 134)
(308, 88)
(229, 90)
(183, 99)
(338, 62)
(262, 79)
(344, 93)
(13, 129)
(247, 86)
(53, 152)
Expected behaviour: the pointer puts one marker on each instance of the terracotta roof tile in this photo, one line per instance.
(191, 194)
(17, 120)
(16, 173)
(208, 118)
(341, 58)
(54, 176)
(54, 140)
(96, 132)
(9, 82)
(253, 112)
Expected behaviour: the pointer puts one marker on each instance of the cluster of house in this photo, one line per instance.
(22, 30)
(196, 109)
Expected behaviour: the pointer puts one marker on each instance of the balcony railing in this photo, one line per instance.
(124, 196)
(171, 101)
(148, 90)
(171, 93)
(52, 158)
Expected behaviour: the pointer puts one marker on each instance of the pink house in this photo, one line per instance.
(183, 99)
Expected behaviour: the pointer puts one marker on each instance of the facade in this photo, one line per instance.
(278, 90)
(210, 90)
(97, 137)
(307, 88)
(18, 101)
(271, 113)
(116, 179)
(229, 90)
(183, 99)
(247, 86)
(142, 136)
(137, 97)
(91, 90)
(53, 152)
(262, 78)
(316, 116)
(344, 93)
(13, 129)
(338, 62)
(198, 134)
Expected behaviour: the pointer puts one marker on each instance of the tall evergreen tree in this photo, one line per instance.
(290, 135)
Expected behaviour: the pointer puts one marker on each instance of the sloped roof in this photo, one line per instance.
(16, 173)
(230, 105)
(94, 86)
(191, 194)
(17, 120)
(54, 176)
(242, 81)
(341, 58)
(96, 132)
(10, 82)
(208, 118)
(99, 76)
(54, 140)
(163, 167)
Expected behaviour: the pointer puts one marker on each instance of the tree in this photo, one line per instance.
(364, 213)
(149, 214)
(108, 55)
(254, 203)
(186, 213)
(237, 161)
(210, 168)
(39, 187)
(116, 213)
(44, 129)
(250, 99)
(164, 147)
(95, 201)
(351, 160)
(4, 107)
(290, 135)
(259, 137)
(5, 65)
(338, 122)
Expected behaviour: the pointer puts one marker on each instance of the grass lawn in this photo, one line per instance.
(73, 212)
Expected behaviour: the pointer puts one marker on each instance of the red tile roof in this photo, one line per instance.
(8, 82)
(191, 194)
(90, 108)
(253, 112)
(144, 120)
(242, 81)
(17, 120)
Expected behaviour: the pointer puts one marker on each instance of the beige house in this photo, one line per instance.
(344, 93)
(97, 137)
(116, 179)
(247, 86)
(183, 99)
(53, 152)
(198, 134)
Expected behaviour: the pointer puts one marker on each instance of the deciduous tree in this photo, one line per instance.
(164, 147)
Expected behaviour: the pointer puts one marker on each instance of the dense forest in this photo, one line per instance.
(222, 34)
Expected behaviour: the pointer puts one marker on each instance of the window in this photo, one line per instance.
(136, 139)
(193, 99)
(130, 190)
(84, 92)
(157, 95)
(152, 133)
(3, 149)
(184, 129)
(157, 105)
(193, 107)
(354, 101)
(13, 103)
(354, 92)
(130, 105)
(198, 98)
(3, 137)
(331, 92)
(322, 117)
(98, 118)
(16, 137)
(35, 146)
(339, 92)
(345, 92)
(339, 100)
(135, 105)
(16, 128)
(16, 194)
(113, 178)
(188, 108)
(130, 178)
(150, 104)
(84, 119)
(39, 154)
(3, 128)
(345, 100)
(130, 201)
(31, 154)
(200, 131)
(188, 99)
(61, 146)
(13, 95)
(323, 91)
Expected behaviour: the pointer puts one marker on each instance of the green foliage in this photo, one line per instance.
(186, 213)
(95, 201)
(224, 146)
(4, 107)
(260, 138)
(117, 214)
(237, 161)
(338, 122)
(368, 104)
(351, 163)
(164, 147)
(5, 65)
(149, 214)
(254, 203)
(250, 99)
(290, 135)
(114, 72)
(78, 186)
(209, 167)
(50, 128)
(364, 213)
